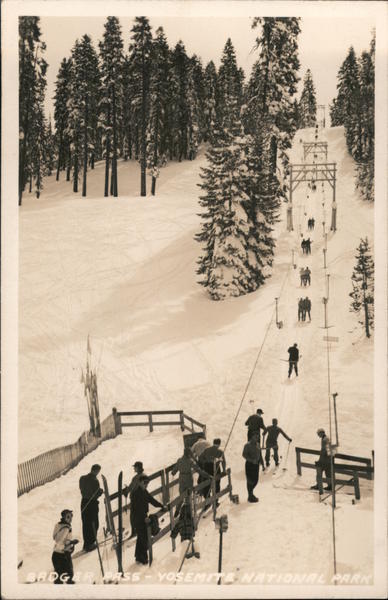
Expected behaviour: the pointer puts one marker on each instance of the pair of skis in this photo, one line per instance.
(117, 536)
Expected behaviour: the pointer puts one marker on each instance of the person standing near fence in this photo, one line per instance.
(138, 466)
(63, 548)
(324, 461)
(141, 499)
(212, 458)
(90, 492)
(185, 466)
(252, 455)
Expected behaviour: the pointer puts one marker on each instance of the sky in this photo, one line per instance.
(323, 42)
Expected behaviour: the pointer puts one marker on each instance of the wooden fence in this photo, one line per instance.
(54, 463)
(165, 487)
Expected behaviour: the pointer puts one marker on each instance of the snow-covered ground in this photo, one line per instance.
(123, 270)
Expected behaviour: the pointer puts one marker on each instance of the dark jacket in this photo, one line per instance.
(252, 452)
(293, 353)
(140, 499)
(273, 432)
(133, 485)
(89, 486)
(325, 449)
(255, 423)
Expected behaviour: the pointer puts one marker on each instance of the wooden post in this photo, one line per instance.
(298, 465)
(276, 301)
(289, 208)
(150, 422)
(335, 417)
(357, 486)
(117, 421)
(324, 257)
(165, 494)
(213, 489)
(229, 484)
(182, 420)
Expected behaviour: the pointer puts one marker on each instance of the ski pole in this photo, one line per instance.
(98, 550)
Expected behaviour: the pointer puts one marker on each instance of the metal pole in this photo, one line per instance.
(327, 284)
(324, 258)
(293, 261)
(220, 558)
(325, 309)
(335, 417)
(276, 300)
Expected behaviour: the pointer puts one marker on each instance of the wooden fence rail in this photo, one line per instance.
(54, 463)
(364, 467)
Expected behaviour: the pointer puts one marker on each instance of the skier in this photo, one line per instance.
(303, 246)
(302, 277)
(307, 308)
(186, 465)
(307, 276)
(324, 458)
(184, 524)
(140, 500)
(211, 459)
(90, 492)
(63, 548)
(271, 441)
(293, 359)
(312, 223)
(252, 455)
(255, 423)
(138, 466)
(300, 309)
(308, 246)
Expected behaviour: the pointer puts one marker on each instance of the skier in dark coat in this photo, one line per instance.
(307, 308)
(63, 548)
(90, 492)
(140, 506)
(212, 458)
(324, 460)
(186, 465)
(254, 424)
(312, 223)
(308, 246)
(138, 466)
(252, 455)
(272, 432)
(307, 275)
(293, 359)
(303, 245)
(300, 309)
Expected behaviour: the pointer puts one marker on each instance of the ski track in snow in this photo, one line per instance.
(126, 275)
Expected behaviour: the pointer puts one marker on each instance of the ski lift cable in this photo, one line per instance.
(256, 361)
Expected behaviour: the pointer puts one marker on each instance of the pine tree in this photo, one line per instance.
(172, 109)
(141, 58)
(49, 149)
(363, 286)
(193, 114)
(275, 77)
(229, 87)
(83, 106)
(157, 130)
(111, 68)
(61, 114)
(32, 83)
(181, 65)
(210, 91)
(308, 102)
(365, 166)
(198, 76)
(224, 263)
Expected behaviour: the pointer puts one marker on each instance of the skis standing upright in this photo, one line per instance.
(120, 525)
(110, 520)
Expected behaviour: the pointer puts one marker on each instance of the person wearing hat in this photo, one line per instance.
(141, 499)
(64, 546)
(272, 432)
(90, 492)
(211, 460)
(293, 358)
(138, 467)
(324, 460)
(255, 423)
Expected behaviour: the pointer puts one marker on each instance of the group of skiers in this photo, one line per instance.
(305, 276)
(304, 308)
(252, 449)
(311, 223)
(306, 246)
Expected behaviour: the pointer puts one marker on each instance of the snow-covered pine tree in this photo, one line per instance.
(61, 115)
(210, 90)
(223, 264)
(274, 84)
(365, 165)
(363, 286)
(158, 92)
(308, 102)
(128, 124)
(32, 81)
(111, 69)
(141, 58)
(229, 87)
(198, 75)
(49, 149)
(83, 103)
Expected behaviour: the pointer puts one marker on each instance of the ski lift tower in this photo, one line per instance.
(322, 120)
(311, 173)
(314, 148)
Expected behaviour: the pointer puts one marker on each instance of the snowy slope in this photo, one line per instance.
(123, 270)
